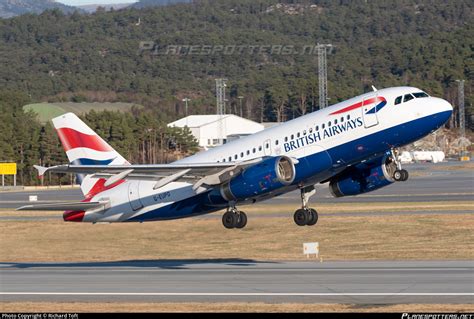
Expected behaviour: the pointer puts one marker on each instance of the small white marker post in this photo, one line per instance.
(311, 249)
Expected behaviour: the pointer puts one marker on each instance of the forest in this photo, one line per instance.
(124, 56)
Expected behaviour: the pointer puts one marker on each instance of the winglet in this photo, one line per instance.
(41, 170)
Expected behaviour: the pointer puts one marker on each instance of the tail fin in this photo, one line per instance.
(84, 147)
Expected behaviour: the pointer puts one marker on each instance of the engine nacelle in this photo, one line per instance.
(364, 177)
(261, 178)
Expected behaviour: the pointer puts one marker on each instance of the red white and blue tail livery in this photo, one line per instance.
(351, 145)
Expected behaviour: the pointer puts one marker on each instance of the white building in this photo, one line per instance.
(213, 130)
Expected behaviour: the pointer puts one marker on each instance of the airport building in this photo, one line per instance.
(214, 130)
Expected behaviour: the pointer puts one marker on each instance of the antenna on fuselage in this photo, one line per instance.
(374, 88)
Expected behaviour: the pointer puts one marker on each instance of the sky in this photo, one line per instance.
(83, 2)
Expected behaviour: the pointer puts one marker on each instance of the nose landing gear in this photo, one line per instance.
(399, 175)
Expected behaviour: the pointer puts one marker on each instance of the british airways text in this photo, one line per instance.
(323, 134)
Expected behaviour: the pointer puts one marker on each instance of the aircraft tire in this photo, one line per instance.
(313, 217)
(301, 217)
(405, 175)
(229, 220)
(241, 220)
(398, 175)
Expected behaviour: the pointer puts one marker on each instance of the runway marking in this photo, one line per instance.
(184, 294)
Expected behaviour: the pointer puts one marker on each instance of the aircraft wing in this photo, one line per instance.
(76, 206)
(204, 173)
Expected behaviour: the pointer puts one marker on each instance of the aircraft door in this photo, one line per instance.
(267, 148)
(133, 195)
(369, 112)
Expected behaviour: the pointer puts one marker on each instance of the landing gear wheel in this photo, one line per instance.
(301, 217)
(398, 175)
(229, 219)
(241, 220)
(404, 175)
(313, 217)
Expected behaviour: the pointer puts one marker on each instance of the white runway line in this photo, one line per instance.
(275, 294)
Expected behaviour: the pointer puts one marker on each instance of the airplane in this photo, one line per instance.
(352, 145)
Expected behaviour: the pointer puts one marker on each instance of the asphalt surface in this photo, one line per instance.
(241, 280)
(428, 182)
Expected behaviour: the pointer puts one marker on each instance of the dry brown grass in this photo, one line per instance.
(225, 307)
(324, 208)
(395, 237)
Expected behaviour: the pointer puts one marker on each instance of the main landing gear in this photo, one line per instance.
(399, 175)
(234, 218)
(306, 216)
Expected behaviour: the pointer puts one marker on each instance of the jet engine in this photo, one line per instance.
(364, 177)
(258, 179)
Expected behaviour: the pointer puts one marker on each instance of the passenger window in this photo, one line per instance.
(248, 152)
(292, 136)
(304, 132)
(236, 156)
(254, 150)
(267, 145)
(317, 128)
(420, 94)
(398, 100)
(323, 126)
(348, 117)
(276, 142)
(223, 160)
(286, 138)
(298, 134)
(259, 148)
(407, 97)
(230, 158)
(241, 154)
(335, 121)
(310, 130)
(329, 124)
(342, 118)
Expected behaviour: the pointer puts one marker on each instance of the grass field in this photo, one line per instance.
(47, 111)
(393, 237)
(224, 307)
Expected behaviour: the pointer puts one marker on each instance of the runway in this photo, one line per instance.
(428, 182)
(241, 280)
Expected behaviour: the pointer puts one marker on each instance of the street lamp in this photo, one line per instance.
(240, 99)
(186, 100)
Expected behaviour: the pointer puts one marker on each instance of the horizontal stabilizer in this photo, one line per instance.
(41, 170)
(75, 206)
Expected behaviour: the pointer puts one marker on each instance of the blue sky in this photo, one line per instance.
(82, 2)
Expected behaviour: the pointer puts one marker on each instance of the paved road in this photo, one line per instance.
(241, 280)
(428, 182)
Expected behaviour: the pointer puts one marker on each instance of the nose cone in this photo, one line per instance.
(444, 110)
(445, 106)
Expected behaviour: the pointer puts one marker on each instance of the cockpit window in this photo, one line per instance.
(398, 100)
(420, 94)
(408, 97)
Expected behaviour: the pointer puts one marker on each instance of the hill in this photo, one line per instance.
(155, 3)
(11, 8)
(264, 47)
(90, 8)
(47, 111)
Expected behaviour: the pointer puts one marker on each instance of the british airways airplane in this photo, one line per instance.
(352, 145)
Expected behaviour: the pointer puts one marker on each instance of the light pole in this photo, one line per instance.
(186, 100)
(240, 99)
